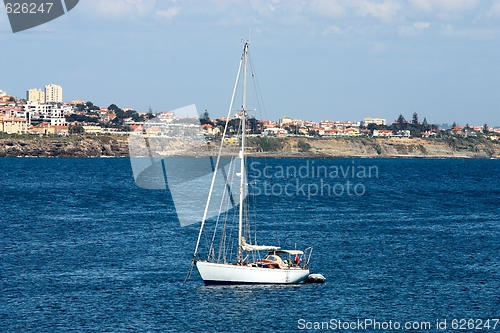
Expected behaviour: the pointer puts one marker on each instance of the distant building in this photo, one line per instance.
(333, 132)
(53, 113)
(273, 131)
(53, 93)
(92, 129)
(8, 98)
(382, 133)
(428, 134)
(352, 131)
(268, 124)
(45, 128)
(376, 121)
(12, 125)
(35, 95)
(209, 129)
(403, 134)
(167, 116)
(285, 120)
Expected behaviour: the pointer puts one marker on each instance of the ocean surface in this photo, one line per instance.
(84, 249)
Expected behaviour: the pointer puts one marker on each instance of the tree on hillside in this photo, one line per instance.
(415, 119)
(485, 128)
(113, 107)
(90, 106)
(255, 125)
(401, 119)
(150, 113)
(75, 129)
(205, 118)
(401, 122)
(454, 125)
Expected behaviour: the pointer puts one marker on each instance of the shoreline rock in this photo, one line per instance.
(289, 147)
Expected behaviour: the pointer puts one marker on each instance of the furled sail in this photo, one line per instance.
(251, 247)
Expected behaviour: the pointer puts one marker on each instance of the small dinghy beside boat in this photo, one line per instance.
(315, 278)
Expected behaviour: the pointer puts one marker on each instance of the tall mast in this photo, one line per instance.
(242, 152)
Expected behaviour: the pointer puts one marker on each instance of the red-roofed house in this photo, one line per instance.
(382, 133)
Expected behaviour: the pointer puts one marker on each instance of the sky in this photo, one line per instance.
(313, 60)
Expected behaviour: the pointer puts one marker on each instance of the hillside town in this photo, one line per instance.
(43, 112)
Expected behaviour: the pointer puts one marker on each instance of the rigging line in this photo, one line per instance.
(252, 218)
(223, 240)
(264, 111)
(227, 246)
(257, 86)
(229, 205)
(221, 204)
(259, 100)
(228, 208)
(224, 235)
(212, 165)
(228, 187)
(190, 271)
(217, 163)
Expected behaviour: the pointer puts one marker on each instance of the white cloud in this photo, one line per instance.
(120, 8)
(169, 13)
(386, 11)
(444, 5)
(333, 29)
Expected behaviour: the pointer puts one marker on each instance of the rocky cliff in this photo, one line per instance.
(378, 147)
(65, 147)
(88, 146)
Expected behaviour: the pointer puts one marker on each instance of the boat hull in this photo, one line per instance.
(215, 273)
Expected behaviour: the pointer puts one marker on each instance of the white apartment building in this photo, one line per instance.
(53, 93)
(35, 95)
(53, 113)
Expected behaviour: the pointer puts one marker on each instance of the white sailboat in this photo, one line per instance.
(277, 266)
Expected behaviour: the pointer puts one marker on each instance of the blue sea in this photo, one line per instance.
(412, 246)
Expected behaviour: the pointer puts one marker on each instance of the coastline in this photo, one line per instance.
(288, 147)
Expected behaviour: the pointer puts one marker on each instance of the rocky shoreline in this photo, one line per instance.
(291, 147)
(64, 147)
